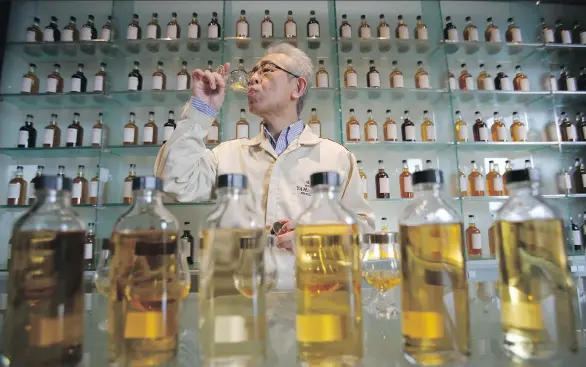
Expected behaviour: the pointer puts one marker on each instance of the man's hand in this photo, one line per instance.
(286, 236)
(209, 86)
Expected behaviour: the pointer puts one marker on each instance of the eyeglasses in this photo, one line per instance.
(239, 79)
(267, 67)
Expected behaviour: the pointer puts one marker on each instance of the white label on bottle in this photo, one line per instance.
(469, 83)
(127, 189)
(172, 31)
(242, 29)
(313, 30)
(422, 34)
(316, 129)
(31, 191)
(167, 131)
(67, 35)
(14, 190)
(72, 136)
(75, 85)
(501, 133)
(365, 33)
(93, 189)
(571, 132)
(525, 85)
(476, 241)
(430, 132)
(452, 83)
(76, 190)
(99, 83)
(495, 35)
(463, 184)
(31, 36)
(483, 134)
(391, 132)
(51, 85)
(568, 181)
(152, 31)
(473, 34)
(96, 136)
(488, 84)
(351, 80)
(213, 133)
(147, 134)
(522, 133)
(548, 36)
(553, 84)
(505, 84)
(48, 137)
(85, 34)
(385, 32)
(577, 237)
(128, 135)
(25, 85)
(571, 84)
(584, 180)
(266, 29)
(403, 33)
(479, 183)
(462, 133)
(566, 37)
(346, 31)
(453, 34)
(398, 81)
(323, 80)
(424, 82)
(181, 82)
(242, 132)
(48, 35)
(212, 31)
(290, 30)
(498, 183)
(383, 184)
(407, 184)
(354, 132)
(409, 133)
(372, 131)
(23, 138)
(516, 35)
(132, 83)
(374, 79)
(192, 31)
(583, 38)
(106, 34)
(88, 253)
(364, 183)
(157, 82)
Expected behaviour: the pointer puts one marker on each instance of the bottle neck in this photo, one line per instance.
(523, 189)
(53, 199)
(146, 198)
(324, 193)
(231, 194)
(427, 190)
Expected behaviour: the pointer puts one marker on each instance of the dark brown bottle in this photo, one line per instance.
(407, 128)
(383, 190)
(90, 243)
(480, 129)
(579, 177)
(581, 126)
(187, 243)
(75, 132)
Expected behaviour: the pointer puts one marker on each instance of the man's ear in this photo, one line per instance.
(301, 87)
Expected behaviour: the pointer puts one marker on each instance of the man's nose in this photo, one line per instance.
(255, 78)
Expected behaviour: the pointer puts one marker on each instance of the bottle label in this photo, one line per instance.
(495, 35)
(516, 35)
(479, 183)
(132, 83)
(476, 241)
(242, 29)
(568, 181)
(553, 84)
(488, 84)
(99, 83)
(127, 189)
(391, 132)
(96, 136)
(571, 84)
(76, 190)
(409, 133)
(571, 133)
(147, 135)
(452, 83)
(365, 33)
(583, 38)
(172, 31)
(242, 132)
(430, 132)
(94, 189)
(498, 183)
(422, 34)
(290, 29)
(525, 85)
(501, 133)
(584, 130)
(462, 133)
(407, 184)
(483, 134)
(354, 132)
(167, 132)
(577, 237)
(347, 31)
(72, 135)
(192, 31)
(88, 251)
(522, 133)
(566, 37)
(152, 31)
(128, 135)
(31, 192)
(48, 35)
(469, 83)
(48, 137)
(505, 84)
(26, 85)
(383, 184)
(584, 180)
(313, 30)
(374, 80)
(266, 29)
(397, 81)
(14, 190)
(157, 82)
(453, 35)
(463, 184)
(385, 32)
(85, 34)
(106, 34)
(31, 36)
(213, 133)
(473, 34)
(67, 35)
(351, 80)
(51, 85)
(323, 80)
(548, 36)
(403, 33)
(23, 138)
(372, 131)
(181, 82)
(364, 183)
(424, 82)
(75, 84)
(316, 129)
(212, 31)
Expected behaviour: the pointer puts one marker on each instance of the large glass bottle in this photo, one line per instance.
(146, 281)
(233, 282)
(435, 313)
(328, 273)
(535, 287)
(45, 308)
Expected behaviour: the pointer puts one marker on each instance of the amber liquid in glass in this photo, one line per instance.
(22, 192)
(471, 232)
(84, 191)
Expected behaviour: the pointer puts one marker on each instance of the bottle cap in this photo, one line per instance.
(52, 182)
(522, 175)
(325, 178)
(428, 176)
(147, 183)
(234, 180)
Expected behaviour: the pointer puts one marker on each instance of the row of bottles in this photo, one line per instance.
(485, 82)
(51, 32)
(373, 79)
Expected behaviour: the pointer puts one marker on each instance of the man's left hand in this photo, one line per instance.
(286, 236)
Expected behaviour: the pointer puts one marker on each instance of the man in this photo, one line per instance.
(278, 161)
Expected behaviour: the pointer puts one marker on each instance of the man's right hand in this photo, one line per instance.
(209, 86)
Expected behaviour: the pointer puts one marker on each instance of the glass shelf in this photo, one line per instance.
(497, 97)
(562, 99)
(138, 150)
(58, 100)
(190, 204)
(504, 198)
(182, 48)
(61, 152)
(377, 47)
(505, 146)
(239, 47)
(62, 51)
(389, 200)
(499, 50)
(401, 146)
(407, 95)
(17, 208)
(570, 147)
(559, 50)
(146, 98)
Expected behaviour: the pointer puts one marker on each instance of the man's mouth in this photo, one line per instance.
(251, 92)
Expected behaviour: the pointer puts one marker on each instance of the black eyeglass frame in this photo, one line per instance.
(265, 63)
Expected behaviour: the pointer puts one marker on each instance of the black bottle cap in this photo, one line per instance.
(312, 12)
(174, 15)
(147, 183)
(194, 14)
(468, 19)
(325, 178)
(73, 19)
(234, 180)
(155, 15)
(522, 175)
(344, 16)
(242, 12)
(363, 17)
(290, 12)
(267, 12)
(36, 20)
(489, 19)
(53, 19)
(90, 17)
(214, 14)
(52, 182)
(186, 223)
(428, 176)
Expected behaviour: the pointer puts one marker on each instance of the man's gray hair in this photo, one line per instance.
(299, 64)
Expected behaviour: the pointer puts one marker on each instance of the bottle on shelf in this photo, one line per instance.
(420, 30)
(32, 197)
(150, 132)
(396, 77)
(492, 236)
(173, 28)
(484, 79)
(475, 181)
(518, 129)
(242, 25)
(581, 83)
(54, 81)
(370, 129)
(61, 171)
(583, 231)
(159, 78)
(547, 35)
(383, 189)
(193, 28)
(461, 128)
(133, 31)
(501, 81)
(465, 80)
(513, 33)
(383, 30)
(492, 32)
(384, 224)
(567, 128)
(407, 128)
(183, 78)
(322, 77)
(579, 177)
(100, 79)
(290, 26)
(52, 133)
(49, 233)
(421, 77)
(79, 190)
(494, 180)
(242, 126)
(187, 244)
(214, 28)
(27, 134)
(427, 128)
(213, 136)
(51, 33)
(78, 80)
(127, 197)
(169, 127)
(350, 76)
(267, 27)
(373, 76)
(429, 164)
(135, 78)
(405, 183)
(153, 28)
(312, 26)
(364, 29)
(402, 30)
(88, 30)
(17, 189)
(75, 132)
(34, 33)
(576, 236)
(563, 34)
(345, 30)
(30, 82)
(425, 257)
(473, 239)
(528, 164)
(581, 126)
(578, 34)
(70, 32)
(498, 129)
(363, 179)
(470, 32)
(450, 31)
(520, 82)
(452, 84)
(314, 123)
(565, 81)
(88, 250)
(390, 128)
(107, 30)
(95, 186)
(463, 182)
(352, 128)
(130, 136)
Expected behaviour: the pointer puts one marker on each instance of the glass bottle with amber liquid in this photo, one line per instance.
(350, 76)
(405, 183)
(383, 189)
(183, 78)
(32, 198)
(402, 29)
(290, 26)
(34, 32)
(314, 123)
(508, 167)
(396, 77)
(242, 127)
(494, 181)
(47, 241)
(513, 33)
(130, 131)
(51, 33)
(421, 77)
(127, 188)
(52, 133)
(421, 33)
(473, 239)
(153, 28)
(567, 128)
(450, 31)
(363, 179)
(322, 78)
(266, 26)
(498, 129)
(352, 128)
(370, 129)
(88, 30)
(470, 31)
(520, 82)
(150, 134)
(475, 181)
(547, 35)
(461, 128)
(427, 128)
(75, 132)
(465, 81)
(518, 129)
(312, 26)
(54, 81)
(29, 83)
(480, 128)
(389, 128)
(97, 189)
(107, 31)
(364, 29)
(70, 32)
(173, 28)
(484, 79)
(100, 79)
(492, 236)
(383, 30)
(159, 78)
(463, 182)
(17, 189)
(79, 191)
(536, 288)
(407, 128)
(213, 136)
(98, 132)
(430, 233)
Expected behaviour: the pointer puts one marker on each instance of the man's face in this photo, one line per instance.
(273, 91)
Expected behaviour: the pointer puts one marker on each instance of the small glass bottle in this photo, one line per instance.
(383, 31)
(94, 189)
(352, 128)
(345, 30)
(98, 132)
(567, 128)
(431, 232)
(130, 136)
(88, 250)
(78, 80)
(364, 29)
(133, 31)
(563, 34)
(581, 83)
(127, 197)
(473, 239)
(100, 79)
(54, 81)
(390, 128)
(314, 123)
(187, 244)
(547, 35)
(107, 30)
(88, 30)
(492, 32)
(407, 128)
(565, 81)
(463, 183)
(290, 26)
(402, 29)
(383, 188)
(370, 129)
(350, 76)
(427, 128)
(475, 181)
(312, 26)
(242, 26)
(465, 80)
(405, 183)
(153, 28)
(583, 230)
(183, 78)
(470, 31)
(581, 126)
(579, 177)
(159, 78)
(363, 179)
(420, 30)
(484, 79)
(267, 27)
(480, 128)
(34, 33)
(213, 136)
(52, 133)
(450, 31)
(461, 128)
(193, 28)
(322, 78)
(214, 28)
(51, 33)
(396, 77)
(518, 129)
(498, 129)
(30, 82)
(75, 132)
(173, 28)
(135, 78)
(501, 81)
(373, 76)
(17, 189)
(494, 180)
(24, 134)
(150, 134)
(70, 32)
(576, 236)
(169, 127)
(32, 196)
(242, 127)
(513, 33)
(521, 82)
(79, 191)
(421, 77)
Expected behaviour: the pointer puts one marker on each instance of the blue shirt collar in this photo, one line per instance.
(286, 137)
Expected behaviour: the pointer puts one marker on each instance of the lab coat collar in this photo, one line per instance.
(307, 137)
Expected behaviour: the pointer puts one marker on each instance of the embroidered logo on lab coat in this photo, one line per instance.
(305, 189)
